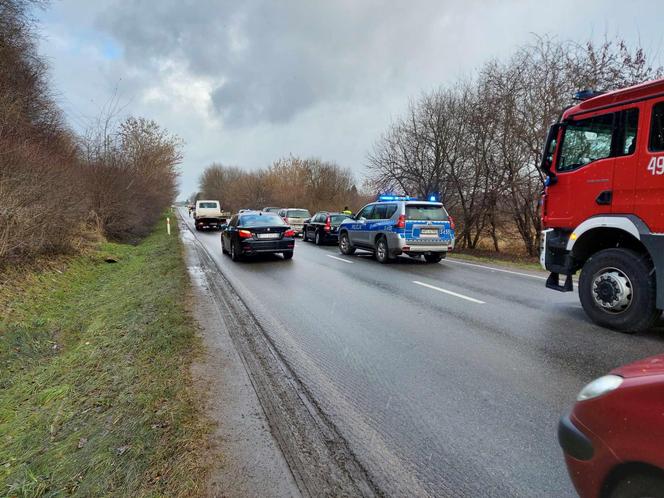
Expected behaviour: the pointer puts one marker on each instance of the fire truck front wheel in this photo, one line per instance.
(617, 290)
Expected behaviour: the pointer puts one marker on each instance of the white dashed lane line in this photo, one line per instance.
(449, 292)
(339, 259)
(502, 270)
(491, 268)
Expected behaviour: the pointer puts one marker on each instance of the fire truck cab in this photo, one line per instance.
(603, 205)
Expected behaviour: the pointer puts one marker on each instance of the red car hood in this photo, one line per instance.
(648, 366)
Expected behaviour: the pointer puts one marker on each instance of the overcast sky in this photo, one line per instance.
(249, 81)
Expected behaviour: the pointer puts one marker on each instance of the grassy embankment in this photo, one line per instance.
(95, 388)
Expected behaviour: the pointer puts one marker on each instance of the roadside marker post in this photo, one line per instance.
(168, 225)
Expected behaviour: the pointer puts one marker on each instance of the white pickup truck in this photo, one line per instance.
(208, 214)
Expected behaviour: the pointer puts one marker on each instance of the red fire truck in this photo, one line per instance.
(603, 205)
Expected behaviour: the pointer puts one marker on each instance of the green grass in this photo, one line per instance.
(95, 387)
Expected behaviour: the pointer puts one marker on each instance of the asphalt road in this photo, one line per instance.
(445, 379)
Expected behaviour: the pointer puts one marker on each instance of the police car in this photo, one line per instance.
(397, 225)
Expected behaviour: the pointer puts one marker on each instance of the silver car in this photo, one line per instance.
(295, 218)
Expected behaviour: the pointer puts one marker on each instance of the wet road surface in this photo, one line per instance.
(445, 379)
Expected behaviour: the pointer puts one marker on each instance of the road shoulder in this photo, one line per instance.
(249, 462)
(317, 455)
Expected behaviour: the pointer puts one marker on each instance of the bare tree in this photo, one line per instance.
(479, 142)
(131, 176)
(288, 182)
(40, 196)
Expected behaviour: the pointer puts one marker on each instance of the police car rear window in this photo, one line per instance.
(425, 212)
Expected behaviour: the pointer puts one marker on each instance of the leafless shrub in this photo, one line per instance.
(130, 176)
(41, 208)
(52, 184)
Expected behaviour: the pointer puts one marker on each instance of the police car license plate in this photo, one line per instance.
(428, 233)
(267, 235)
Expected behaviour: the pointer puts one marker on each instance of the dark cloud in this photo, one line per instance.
(249, 81)
(272, 60)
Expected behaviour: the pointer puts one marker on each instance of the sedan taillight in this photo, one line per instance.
(328, 225)
(244, 234)
(289, 233)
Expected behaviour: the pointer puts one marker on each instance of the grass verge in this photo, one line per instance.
(95, 387)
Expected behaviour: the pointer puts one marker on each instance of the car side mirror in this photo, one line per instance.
(223, 227)
(550, 148)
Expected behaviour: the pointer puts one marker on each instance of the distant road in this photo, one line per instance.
(445, 379)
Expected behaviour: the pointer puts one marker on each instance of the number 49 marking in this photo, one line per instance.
(656, 165)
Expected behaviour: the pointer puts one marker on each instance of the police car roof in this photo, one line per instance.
(410, 201)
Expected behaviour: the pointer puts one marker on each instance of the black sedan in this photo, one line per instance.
(256, 232)
(323, 227)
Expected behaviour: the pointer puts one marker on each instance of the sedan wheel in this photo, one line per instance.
(235, 256)
(317, 239)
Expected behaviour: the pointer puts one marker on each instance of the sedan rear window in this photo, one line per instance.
(297, 213)
(426, 212)
(261, 220)
(336, 219)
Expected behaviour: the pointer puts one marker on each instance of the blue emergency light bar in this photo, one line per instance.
(586, 94)
(389, 197)
(384, 198)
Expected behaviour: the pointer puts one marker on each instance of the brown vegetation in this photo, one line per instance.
(130, 177)
(289, 182)
(39, 172)
(54, 185)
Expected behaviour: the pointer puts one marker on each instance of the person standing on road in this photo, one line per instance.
(347, 211)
